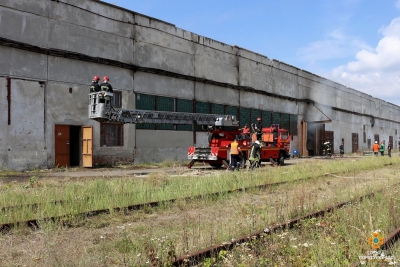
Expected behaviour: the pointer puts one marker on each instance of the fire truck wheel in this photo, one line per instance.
(216, 165)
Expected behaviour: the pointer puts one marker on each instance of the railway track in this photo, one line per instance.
(35, 223)
(193, 259)
(197, 243)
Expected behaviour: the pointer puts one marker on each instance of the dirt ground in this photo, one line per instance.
(128, 170)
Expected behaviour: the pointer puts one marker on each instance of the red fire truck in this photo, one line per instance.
(222, 130)
(275, 145)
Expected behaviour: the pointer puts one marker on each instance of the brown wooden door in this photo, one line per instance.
(87, 146)
(329, 136)
(61, 146)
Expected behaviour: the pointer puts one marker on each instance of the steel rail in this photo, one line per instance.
(199, 256)
(35, 223)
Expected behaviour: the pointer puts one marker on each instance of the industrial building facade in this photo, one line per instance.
(52, 49)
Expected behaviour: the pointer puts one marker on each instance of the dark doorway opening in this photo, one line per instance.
(75, 145)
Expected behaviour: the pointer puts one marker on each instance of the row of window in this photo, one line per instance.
(111, 134)
(244, 115)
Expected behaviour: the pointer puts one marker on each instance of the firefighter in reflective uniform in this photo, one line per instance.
(95, 87)
(255, 152)
(235, 154)
(106, 87)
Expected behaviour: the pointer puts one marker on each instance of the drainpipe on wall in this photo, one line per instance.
(9, 100)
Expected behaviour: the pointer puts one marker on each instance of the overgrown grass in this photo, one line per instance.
(337, 239)
(82, 196)
(139, 238)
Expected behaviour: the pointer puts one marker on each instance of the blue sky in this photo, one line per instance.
(353, 42)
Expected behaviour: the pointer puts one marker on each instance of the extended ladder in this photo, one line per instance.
(103, 112)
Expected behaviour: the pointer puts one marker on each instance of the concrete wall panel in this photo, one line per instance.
(157, 146)
(26, 138)
(163, 39)
(254, 75)
(102, 9)
(90, 42)
(15, 62)
(216, 94)
(252, 56)
(24, 27)
(148, 83)
(27, 6)
(147, 55)
(155, 154)
(163, 139)
(117, 25)
(81, 72)
(216, 65)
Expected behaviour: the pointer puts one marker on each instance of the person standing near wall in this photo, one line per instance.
(95, 87)
(382, 149)
(341, 149)
(389, 149)
(375, 148)
(235, 151)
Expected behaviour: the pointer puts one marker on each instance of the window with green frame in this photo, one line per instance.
(267, 118)
(293, 124)
(145, 102)
(256, 113)
(202, 107)
(285, 121)
(217, 109)
(276, 118)
(165, 104)
(231, 110)
(245, 117)
(184, 105)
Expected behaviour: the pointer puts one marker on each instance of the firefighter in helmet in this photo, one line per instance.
(258, 128)
(106, 87)
(95, 87)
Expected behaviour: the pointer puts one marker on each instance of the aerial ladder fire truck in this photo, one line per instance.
(222, 130)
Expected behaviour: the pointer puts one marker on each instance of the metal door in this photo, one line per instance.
(329, 136)
(87, 146)
(61, 146)
(354, 142)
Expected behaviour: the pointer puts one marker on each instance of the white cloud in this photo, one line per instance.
(375, 72)
(398, 4)
(336, 45)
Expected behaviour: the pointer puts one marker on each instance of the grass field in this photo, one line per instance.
(152, 236)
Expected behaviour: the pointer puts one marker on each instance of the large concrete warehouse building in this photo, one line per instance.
(50, 50)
